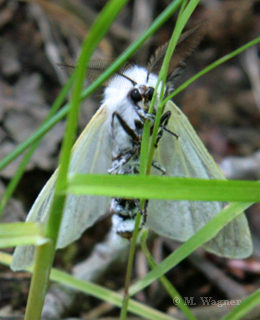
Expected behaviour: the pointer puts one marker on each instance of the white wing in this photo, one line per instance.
(179, 220)
(91, 154)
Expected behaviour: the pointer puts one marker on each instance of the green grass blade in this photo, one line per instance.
(45, 253)
(21, 233)
(165, 282)
(143, 167)
(181, 22)
(244, 307)
(212, 66)
(146, 187)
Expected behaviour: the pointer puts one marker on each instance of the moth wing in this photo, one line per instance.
(179, 220)
(91, 154)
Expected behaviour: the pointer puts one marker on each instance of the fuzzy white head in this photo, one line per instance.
(119, 87)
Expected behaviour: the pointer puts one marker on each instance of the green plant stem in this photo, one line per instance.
(212, 66)
(145, 160)
(143, 153)
(123, 314)
(181, 22)
(41, 274)
(40, 280)
(165, 282)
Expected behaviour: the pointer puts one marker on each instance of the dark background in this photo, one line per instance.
(223, 106)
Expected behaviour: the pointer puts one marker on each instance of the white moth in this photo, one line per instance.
(111, 144)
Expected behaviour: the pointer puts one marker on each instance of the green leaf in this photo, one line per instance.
(147, 187)
(13, 234)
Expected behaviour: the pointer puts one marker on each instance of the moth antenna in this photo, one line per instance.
(97, 66)
(187, 43)
(125, 68)
(63, 65)
(67, 67)
(172, 133)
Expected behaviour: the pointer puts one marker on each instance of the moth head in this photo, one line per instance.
(141, 96)
(131, 86)
(142, 93)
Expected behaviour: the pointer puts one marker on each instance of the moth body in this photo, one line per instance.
(124, 213)
(126, 131)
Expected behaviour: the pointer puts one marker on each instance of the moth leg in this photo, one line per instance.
(143, 212)
(144, 115)
(165, 118)
(126, 127)
(122, 159)
(163, 123)
(159, 167)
